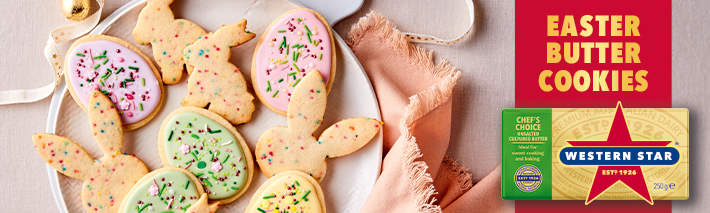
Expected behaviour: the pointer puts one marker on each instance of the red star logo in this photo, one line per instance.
(607, 176)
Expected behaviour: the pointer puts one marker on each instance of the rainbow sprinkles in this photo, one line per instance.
(298, 42)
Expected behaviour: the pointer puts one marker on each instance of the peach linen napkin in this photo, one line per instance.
(415, 101)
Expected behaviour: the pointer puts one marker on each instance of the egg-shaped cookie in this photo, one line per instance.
(210, 147)
(119, 70)
(166, 189)
(294, 44)
(289, 191)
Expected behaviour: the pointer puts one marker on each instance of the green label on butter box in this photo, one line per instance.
(527, 156)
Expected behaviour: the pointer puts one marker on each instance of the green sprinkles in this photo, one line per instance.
(298, 184)
(225, 159)
(79, 54)
(141, 106)
(133, 68)
(100, 56)
(307, 192)
(144, 206)
(97, 66)
(270, 196)
(282, 31)
(261, 210)
(143, 79)
(281, 80)
(104, 53)
(320, 57)
(214, 131)
(199, 174)
(195, 136)
(193, 155)
(207, 181)
(161, 190)
(130, 80)
(309, 30)
(275, 93)
(187, 184)
(105, 61)
(268, 88)
(293, 73)
(235, 188)
(296, 82)
(171, 131)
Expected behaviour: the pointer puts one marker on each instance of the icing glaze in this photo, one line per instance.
(117, 71)
(290, 193)
(212, 154)
(176, 193)
(279, 69)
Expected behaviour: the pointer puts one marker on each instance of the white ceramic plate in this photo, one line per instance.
(349, 179)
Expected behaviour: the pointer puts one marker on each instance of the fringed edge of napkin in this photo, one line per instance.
(419, 105)
(461, 174)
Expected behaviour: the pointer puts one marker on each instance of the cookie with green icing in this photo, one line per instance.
(210, 148)
(168, 189)
(289, 191)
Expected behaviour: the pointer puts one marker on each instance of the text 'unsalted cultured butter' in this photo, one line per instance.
(595, 153)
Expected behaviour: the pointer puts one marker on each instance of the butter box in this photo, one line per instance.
(595, 153)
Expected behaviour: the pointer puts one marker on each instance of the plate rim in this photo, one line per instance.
(104, 26)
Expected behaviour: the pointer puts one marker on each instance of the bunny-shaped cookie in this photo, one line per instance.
(106, 180)
(295, 148)
(217, 81)
(168, 36)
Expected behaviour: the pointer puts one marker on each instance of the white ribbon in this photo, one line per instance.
(51, 52)
(423, 38)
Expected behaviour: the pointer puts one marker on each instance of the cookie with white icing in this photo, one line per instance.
(107, 180)
(215, 80)
(119, 70)
(167, 189)
(168, 36)
(289, 191)
(294, 44)
(210, 148)
(294, 147)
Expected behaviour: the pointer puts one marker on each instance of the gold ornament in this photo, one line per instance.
(75, 10)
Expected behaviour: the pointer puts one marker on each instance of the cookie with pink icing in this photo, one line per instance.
(119, 70)
(294, 44)
(169, 36)
(281, 149)
(107, 180)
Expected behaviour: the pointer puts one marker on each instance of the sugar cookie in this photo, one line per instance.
(167, 189)
(294, 44)
(108, 179)
(208, 146)
(289, 191)
(121, 71)
(295, 148)
(216, 81)
(168, 36)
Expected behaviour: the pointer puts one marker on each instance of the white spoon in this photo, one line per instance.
(333, 10)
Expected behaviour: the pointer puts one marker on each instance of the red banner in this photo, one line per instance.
(593, 54)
